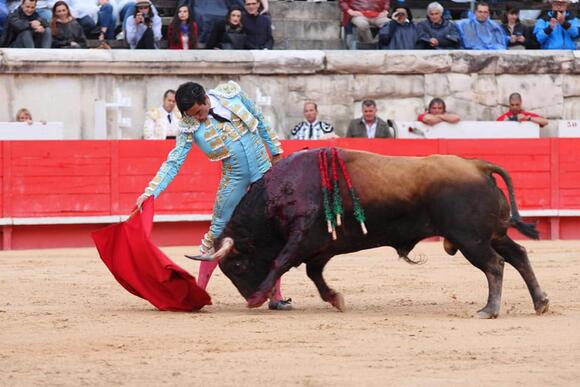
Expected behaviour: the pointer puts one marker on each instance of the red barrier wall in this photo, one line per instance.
(89, 178)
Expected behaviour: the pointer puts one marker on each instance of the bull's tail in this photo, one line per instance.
(528, 229)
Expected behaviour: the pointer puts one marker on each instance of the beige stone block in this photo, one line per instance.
(468, 110)
(459, 83)
(357, 62)
(7, 111)
(571, 85)
(538, 62)
(571, 109)
(417, 62)
(537, 91)
(437, 85)
(474, 62)
(288, 61)
(484, 89)
(381, 86)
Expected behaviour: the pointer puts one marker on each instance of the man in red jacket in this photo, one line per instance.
(364, 14)
(517, 113)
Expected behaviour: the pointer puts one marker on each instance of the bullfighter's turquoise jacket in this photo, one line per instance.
(240, 144)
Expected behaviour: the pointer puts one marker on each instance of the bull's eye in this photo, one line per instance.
(239, 267)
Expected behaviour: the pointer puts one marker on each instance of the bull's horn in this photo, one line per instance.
(226, 247)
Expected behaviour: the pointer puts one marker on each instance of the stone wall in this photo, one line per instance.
(62, 85)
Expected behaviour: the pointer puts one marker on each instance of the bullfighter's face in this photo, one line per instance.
(199, 111)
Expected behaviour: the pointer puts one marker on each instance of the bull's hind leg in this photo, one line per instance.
(314, 270)
(516, 256)
(484, 257)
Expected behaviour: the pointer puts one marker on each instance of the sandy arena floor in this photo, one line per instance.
(65, 321)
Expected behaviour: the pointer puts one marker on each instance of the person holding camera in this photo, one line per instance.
(520, 36)
(517, 113)
(557, 29)
(400, 33)
(143, 29)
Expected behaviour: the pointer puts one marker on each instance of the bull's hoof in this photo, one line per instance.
(257, 300)
(485, 313)
(543, 305)
(338, 302)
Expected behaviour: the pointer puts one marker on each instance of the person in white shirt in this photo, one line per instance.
(162, 122)
(311, 128)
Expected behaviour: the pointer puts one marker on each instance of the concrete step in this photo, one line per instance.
(308, 44)
(306, 29)
(303, 10)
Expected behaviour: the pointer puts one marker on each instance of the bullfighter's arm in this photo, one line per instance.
(171, 166)
(269, 137)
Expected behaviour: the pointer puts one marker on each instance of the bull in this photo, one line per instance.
(280, 223)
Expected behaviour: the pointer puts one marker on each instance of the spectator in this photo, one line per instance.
(519, 35)
(182, 32)
(87, 11)
(264, 7)
(23, 115)
(228, 34)
(66, 32)
(26, 29)
(400, 33)
(143, 29)
(258, 27)
(436, 113)
(363, 14)
(517, 113)
(436, 32)
(207, 12)
(369, 125)
(3, 16)
(162, 122)
(311, 128)
(558, 28)
(481, 33)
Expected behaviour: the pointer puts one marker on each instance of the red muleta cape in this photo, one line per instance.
(142, 268)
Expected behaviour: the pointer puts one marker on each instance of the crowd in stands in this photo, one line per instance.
(247, 24)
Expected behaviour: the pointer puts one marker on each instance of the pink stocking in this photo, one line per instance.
(277, 293)
(206, 268)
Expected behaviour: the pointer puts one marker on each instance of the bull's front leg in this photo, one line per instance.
(314, 271)
(286, 259)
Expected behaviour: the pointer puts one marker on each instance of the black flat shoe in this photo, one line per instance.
(280, 304)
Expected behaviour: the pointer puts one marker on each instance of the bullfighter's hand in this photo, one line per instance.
(142, 199)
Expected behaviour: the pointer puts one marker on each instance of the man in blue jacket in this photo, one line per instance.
(227, 126)
(558, 28)
(479, 32)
